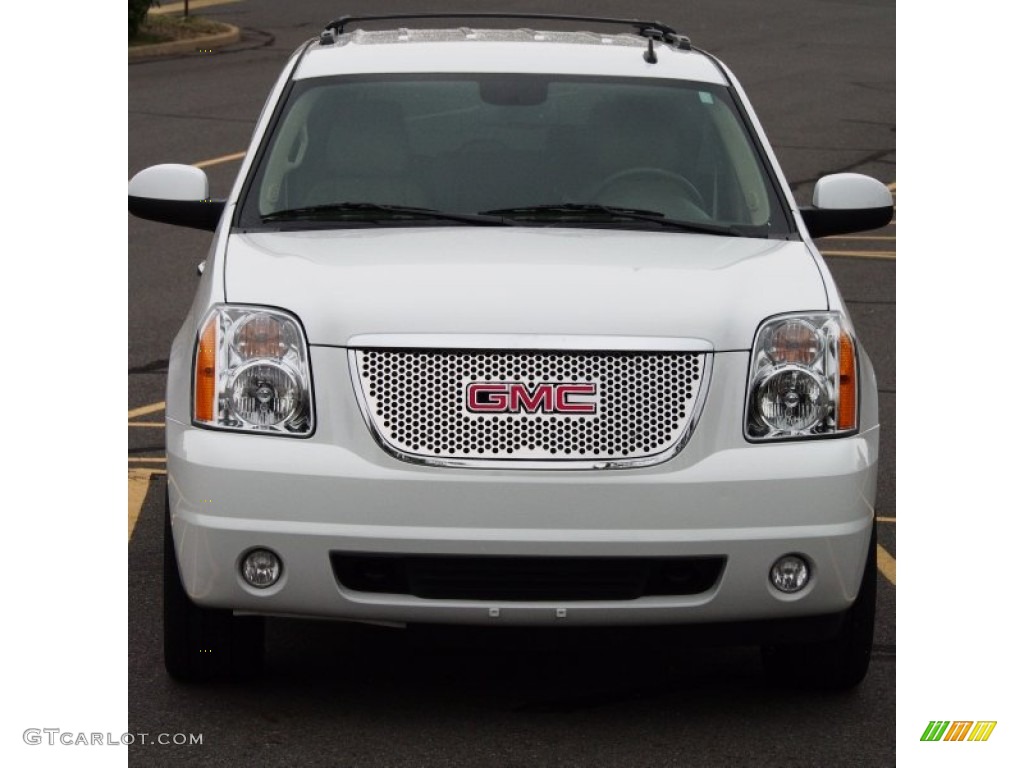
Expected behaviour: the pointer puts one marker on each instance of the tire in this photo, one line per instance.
(205, 643)
(839, 663)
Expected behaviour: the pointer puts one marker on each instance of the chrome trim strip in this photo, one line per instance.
(530, 464)
(528, 341)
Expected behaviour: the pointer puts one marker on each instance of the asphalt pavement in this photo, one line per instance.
(821, 76)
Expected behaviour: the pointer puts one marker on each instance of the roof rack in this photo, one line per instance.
(652, 30)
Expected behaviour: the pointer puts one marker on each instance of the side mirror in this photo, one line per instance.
(847, 202)
(174, 194)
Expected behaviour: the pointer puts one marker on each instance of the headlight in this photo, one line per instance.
(252, 372)
(803, 378)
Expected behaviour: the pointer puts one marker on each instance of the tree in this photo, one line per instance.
(137, 10)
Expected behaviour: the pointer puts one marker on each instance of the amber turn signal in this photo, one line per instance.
(204, 390)
(846, 408)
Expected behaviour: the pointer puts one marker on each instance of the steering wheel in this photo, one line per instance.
(623, 177)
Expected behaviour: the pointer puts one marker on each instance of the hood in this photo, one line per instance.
(488, 280)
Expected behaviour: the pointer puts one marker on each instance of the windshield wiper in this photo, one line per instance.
(570, 211)
(376, 212)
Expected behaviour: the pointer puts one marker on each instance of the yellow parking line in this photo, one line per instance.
(879, 519)
(887, 564)
(138, 487)
(146, 409)
(892, 187)
(861, 237)
(219, 160)
(139, 477)
(888, 255)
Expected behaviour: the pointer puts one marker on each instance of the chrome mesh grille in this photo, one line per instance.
(416, 403)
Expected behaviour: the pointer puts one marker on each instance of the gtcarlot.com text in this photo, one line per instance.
(57, 736)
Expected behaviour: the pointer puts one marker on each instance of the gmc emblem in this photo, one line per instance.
(516, 397)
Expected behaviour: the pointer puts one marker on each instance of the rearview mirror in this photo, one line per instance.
(174, 194)
(847, 202)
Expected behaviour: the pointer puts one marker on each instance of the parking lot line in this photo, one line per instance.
(139, 476)
(887, 564)
(138, 487)
(145, 410)
(889, 255)
(219, 160)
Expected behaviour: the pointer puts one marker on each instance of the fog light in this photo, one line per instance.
(261, 568)
(790, 573)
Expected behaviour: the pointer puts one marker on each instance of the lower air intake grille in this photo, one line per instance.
(453, 577)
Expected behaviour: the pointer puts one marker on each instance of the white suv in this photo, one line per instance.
(515, 327)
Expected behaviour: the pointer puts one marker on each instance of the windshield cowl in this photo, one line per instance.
(379, 213)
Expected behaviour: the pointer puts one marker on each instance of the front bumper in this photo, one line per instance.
(338, 491)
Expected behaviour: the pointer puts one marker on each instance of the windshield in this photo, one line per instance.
(526, 150)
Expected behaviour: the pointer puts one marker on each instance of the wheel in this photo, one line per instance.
(840, 662)
(204, 643)
(624, 179)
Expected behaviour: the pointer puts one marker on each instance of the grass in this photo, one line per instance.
(171, 27)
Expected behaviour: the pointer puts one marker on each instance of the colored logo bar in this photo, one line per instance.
(958, 730)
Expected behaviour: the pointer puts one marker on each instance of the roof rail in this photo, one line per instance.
(652, 30)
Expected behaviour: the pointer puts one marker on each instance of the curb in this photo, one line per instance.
(232, 35)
